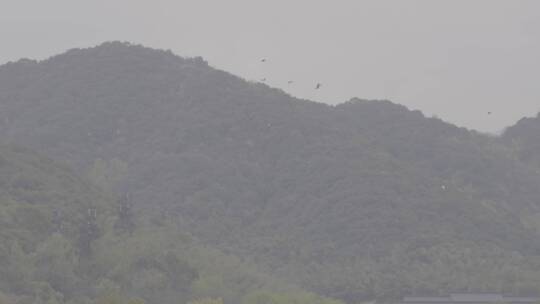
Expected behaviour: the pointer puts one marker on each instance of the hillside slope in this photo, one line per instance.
(524, 139)
(62, 240)
(362, 200)
(43, 211)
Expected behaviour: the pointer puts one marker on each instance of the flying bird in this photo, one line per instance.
(290, 82)
(318, 86)
(263, 60)
(489, 113)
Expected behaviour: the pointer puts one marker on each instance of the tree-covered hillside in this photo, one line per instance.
(357, 201)
(62, 240)
(524, 139)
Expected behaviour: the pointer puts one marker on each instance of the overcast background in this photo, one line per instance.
(457, 60)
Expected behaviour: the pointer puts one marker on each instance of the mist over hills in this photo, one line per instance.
(362, 200)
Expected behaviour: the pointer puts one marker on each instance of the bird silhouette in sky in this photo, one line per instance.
(318, 86)
(263, 60)
(290, 82)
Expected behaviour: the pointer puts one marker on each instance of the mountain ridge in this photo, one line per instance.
(346, 200)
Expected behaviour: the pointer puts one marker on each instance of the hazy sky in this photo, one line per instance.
(457, 59)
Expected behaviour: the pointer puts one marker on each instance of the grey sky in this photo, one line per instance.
(455, 59)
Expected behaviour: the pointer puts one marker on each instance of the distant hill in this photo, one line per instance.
(362, 200)
(524, 139)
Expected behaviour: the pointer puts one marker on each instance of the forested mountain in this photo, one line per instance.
(362, 200)
(524, 139)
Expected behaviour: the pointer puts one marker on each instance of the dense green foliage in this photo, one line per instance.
(47, 255)
(357, 201)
